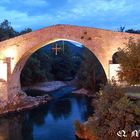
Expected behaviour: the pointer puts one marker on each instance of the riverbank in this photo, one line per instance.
(46, 86)
(120, 102)
(64, 110)
(22, 102)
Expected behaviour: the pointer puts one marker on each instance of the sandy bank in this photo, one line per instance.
(47, 86)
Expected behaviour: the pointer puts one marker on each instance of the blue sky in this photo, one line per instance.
(106, 14)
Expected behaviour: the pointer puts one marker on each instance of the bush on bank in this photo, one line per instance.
(114, 112)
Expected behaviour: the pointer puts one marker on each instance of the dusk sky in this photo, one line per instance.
(106, 14)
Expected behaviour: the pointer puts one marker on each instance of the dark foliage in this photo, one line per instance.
(44, 65)
(132, 31)
(129, 60)
(91, 73)
(114, 112)
(7, 31)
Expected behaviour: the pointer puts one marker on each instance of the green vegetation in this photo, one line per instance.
(133, 31)
(129, 60)
(114, 112)
(64, 65)
(34, 71)
(44, 65)
(7, 31)
(91, 73)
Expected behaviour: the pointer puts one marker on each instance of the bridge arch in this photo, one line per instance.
(15, 77)
(102, 43)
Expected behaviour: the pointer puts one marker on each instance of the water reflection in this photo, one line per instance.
(11, 128)
(53, 121)
(60, 109)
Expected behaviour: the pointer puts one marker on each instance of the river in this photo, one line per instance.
(53, 121)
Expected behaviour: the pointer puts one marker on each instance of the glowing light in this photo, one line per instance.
(10, 53)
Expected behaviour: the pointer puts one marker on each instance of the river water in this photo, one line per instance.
(53, 121)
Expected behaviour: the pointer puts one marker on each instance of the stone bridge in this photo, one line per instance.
(15, 52)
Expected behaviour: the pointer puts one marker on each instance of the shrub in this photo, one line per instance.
(114, 112)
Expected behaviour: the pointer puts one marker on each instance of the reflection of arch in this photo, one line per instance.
(115, 57)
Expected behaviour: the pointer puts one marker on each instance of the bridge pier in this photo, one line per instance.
(3, 91)
(6, 77)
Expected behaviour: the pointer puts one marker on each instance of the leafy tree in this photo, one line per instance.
(129, 60)
(32, 72)
(77, 61)
(37, 69)
(6, 30)
(91, 73)
(62, 65)
(26, 30)
(114, 111)
(121, 29)
(132, 31)
(44, 65)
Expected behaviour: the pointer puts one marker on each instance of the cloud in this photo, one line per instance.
(35, 3)
(21, 20)
(108, 14)
(25, 2)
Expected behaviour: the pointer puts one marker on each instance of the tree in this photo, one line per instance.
(113, 111)
(44, 65)
(62, 64)
(6, 30)
(91, 73)
(121, 29)
(132, 31)
(37, 69)
(129, 59)
(26, 30)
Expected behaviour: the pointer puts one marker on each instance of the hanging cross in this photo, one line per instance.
(56, 49)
